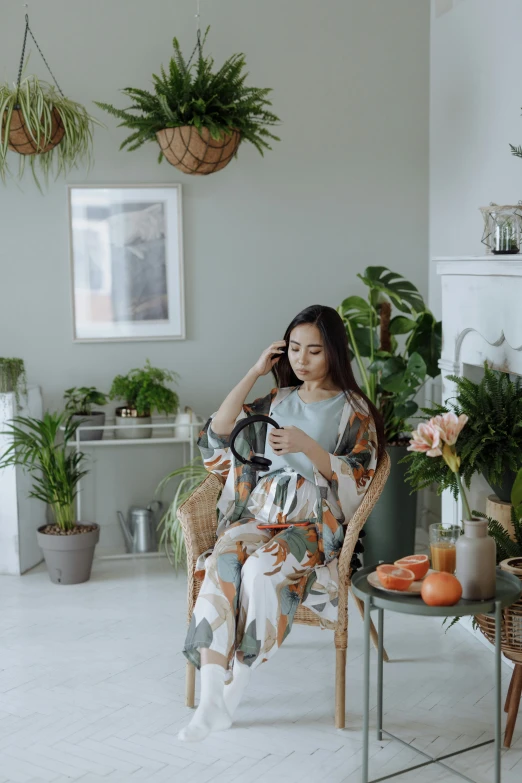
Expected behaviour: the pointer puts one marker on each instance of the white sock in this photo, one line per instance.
(234, 692)
(211, 714)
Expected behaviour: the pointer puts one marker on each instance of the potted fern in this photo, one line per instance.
(198, 116)
(144, 391)
(491, 444)
(79, 404)
(394, 354)
(68, 546)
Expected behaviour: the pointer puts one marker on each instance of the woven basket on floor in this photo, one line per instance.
(195, 152)
(511, 638)
(21, 141)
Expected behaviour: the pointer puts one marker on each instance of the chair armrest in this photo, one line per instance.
(198, 518)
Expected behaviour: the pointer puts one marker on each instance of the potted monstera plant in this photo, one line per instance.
(68, 546)
(199, 116)
(394, 354)
(144, 391)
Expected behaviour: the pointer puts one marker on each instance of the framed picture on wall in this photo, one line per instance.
(127, 262)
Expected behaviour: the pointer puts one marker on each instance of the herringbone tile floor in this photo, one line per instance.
(92, 690)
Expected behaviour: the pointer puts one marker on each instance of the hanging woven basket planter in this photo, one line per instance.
(22, 141)
(196, 152)
(197, 115)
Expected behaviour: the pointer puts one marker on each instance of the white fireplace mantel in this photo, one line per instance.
(481, 320)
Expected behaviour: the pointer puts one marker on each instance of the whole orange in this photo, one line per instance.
(441, 589)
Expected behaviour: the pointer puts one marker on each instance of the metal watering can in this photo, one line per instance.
(140, 531)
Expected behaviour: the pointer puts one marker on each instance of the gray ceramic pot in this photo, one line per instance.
(128, 417)
(97, 418)
(68, 558)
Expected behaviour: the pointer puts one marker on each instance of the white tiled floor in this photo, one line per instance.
(92, 690)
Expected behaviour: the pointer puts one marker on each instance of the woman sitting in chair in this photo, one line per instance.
(322, 461)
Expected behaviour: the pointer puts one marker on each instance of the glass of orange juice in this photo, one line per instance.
(443, 539)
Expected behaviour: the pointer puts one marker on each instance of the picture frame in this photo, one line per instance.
(126, 255)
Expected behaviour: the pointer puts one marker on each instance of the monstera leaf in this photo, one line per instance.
(402, 293)
(358, 313)
(427, 341)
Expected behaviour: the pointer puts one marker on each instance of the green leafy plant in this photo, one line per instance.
(193, 94)
(190, 477)
(13, 378)
(392, 372)
(80, 400)
(491, 443)
(37, 101)
(145, 390)
(55, 469)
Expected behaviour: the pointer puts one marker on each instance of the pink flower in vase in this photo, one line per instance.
(450, 426)
(426, 438)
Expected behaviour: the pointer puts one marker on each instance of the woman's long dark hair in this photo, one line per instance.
(335, 341)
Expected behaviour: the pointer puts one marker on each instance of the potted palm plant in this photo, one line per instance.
(144, 391)
(198, 116)
(394, 356)
(68, 546)
(171, 539)
(79, 404)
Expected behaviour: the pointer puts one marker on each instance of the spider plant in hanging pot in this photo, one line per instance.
(42, 126)
(197, 116)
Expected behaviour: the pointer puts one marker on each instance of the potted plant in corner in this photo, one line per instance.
(68, 546)
(144, 391)
(13, 378)
(394, 356)
(79, 403)
(198, 116)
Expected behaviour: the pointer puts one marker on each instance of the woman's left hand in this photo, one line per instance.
(289, 440)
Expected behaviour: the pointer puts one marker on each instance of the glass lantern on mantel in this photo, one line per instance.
(502, 228)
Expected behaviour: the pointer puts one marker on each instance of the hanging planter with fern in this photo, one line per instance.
(40, 124)
(197, 116)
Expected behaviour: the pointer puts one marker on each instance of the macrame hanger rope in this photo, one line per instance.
(20, 70)
(198, 46)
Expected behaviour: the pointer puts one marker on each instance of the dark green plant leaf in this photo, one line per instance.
(427, 341)
(404, 295)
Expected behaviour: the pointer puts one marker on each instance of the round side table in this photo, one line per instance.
(508, 591)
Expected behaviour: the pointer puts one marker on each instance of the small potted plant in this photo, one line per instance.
(13, 378)
(79, 403)
(68, 546)
(197, 116)
(144, 391)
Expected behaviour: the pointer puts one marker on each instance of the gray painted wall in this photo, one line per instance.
(346, 187)
(475, 115)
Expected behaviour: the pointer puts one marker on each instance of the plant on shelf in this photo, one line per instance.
(79, 401)
(491, 444)
(13, 378)
(55, 471)
(144, 390)
(198, 115)
(392, 373)
(190, 476)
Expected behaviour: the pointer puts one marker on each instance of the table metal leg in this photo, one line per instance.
(380, 648)
(366, 692)
(498, 693)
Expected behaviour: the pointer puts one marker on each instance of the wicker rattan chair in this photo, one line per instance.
(511, 643)
(198, 520)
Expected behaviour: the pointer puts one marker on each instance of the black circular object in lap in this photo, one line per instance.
(257, 462)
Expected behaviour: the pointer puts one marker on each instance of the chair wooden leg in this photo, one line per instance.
(190, 685)
(373, 631)
(340, 689)
(510, 690)
(514, 703)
